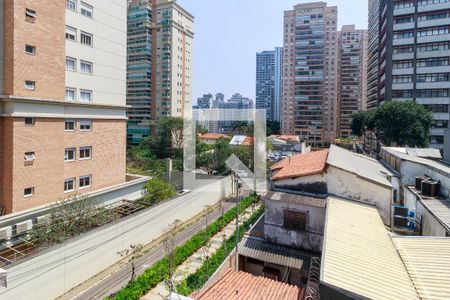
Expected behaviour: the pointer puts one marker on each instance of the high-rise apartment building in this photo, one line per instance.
(205, 102)
(268, 82)
(139, 70)
(310, 73)
(352, 77)
(162, 31)
(413, 49)
(63, 119)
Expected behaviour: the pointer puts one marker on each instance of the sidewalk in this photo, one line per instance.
(193, 263)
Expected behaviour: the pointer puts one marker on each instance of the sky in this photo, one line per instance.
(229, 33)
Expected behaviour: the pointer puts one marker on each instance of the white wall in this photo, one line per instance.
(108, 54)
(55, 272)
(430, 226)
(345, 184)
(409, 171)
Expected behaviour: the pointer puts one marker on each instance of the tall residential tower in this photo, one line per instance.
(310, 73)
(411, 39)
(160, 62)
(352, 77)
(63, 120)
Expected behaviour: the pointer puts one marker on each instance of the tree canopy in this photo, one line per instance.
(400, 123)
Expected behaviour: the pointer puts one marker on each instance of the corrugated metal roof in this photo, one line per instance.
(419, 152)
(359, 256)
(427, 260)
(245, 286)
(440, 208)
(275, 254)
(297, 199)
(357, 164)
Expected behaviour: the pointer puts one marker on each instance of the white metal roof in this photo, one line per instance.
(427, 260)
(440, 209)
(359, 256)
(357, 164)
(238, 140)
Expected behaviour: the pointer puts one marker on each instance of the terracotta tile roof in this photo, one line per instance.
(287, 138)
(248, 141)
(300, 165)
(212, 136)
(245, 286)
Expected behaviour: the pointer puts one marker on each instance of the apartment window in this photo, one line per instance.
(85, 181)
(428, 2)
(71, 64)
(433, 47)
(85, 96)
(69, 154)
(86, 38)
(71, 33)
(403, 64)
(86, 67)
(402, 94)
(400, 5)
(86, 10)
(437, 77)
(29, 121)
(29, 156)
(403, 20)
(433, 62)
(69, 185)
(28, 192)
(436, 139)
(30, 49)
(85, 125)
(402, 79)
(439, 124)
(30, 15)
(86, 153)
(433, 93)
(294, 220)
(71, 94)
(433, 31)
(403, 49)
(434, 16)
(70, 125)
(30, 85)
(71, 4)
(437, 108)
(403, 34)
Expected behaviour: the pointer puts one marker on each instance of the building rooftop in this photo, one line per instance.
(359, 165)
(427, 260)
(300, 165)
(286, 138)
(359, 256)
(297, 199)
(440, 208)
(430, 153)
(245, 286)
(257, 248)
(241, 140)
(213, 136)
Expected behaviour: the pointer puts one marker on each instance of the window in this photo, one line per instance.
(403, 34)
(402, 94)
(437, 108)
(85, 96)
(69, 154)
(436, 77)
(70, 125)
(85, 125)
(433, 47)
(86, 10)
(443, 93)
(69, 185)
(433, 62)
(85, 181)
(30, 49)
(403, 49)
(30, 15)
(433, 31)
(71, 4)
(71, 64)
(294, 220)
(30, 85)
(86, 67)
(29, 156)
(28, 192)
(85, 153)
(86, 38)
(402, 79)
(403, 64)
(71, 33)
(70, 94)
(29, 121)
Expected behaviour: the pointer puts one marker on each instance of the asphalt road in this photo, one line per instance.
(119, 279)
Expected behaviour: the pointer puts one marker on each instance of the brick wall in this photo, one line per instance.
(6, 133)
(47, 34)
(48, 139)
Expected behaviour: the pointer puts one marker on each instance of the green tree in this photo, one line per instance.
(273, 127)
(157, 190)
(240, 127)
(400, 123)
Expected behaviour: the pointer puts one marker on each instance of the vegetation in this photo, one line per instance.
(69, 218)
(160, 270)
(198, 279)
(157, 190)
(273, 127)
(399, 123)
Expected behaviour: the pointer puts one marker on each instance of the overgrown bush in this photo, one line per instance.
(157, 190)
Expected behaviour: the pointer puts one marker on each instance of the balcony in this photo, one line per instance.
(403, 26)
(402, 56)
(400, 42)
(404, 11)
(433, 7)
(433, 85)
(433, 38)
(402, 86)
(406, 71)
(433, 23)
(433, 101)
(426, 70)
(430, 54)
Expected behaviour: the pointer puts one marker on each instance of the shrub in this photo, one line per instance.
(157, 190)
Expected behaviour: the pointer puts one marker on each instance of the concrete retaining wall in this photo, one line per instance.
(55, 272)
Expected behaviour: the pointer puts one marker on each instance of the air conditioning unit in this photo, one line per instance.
(401, 222)
(5, 233)
(23, 226)
(419, 180)
(400, 211)
(430, 188)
